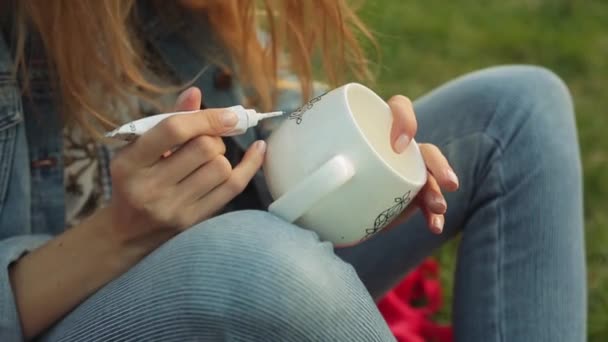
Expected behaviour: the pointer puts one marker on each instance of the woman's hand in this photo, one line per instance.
(440, 175)
(160, 194)
(153, 199)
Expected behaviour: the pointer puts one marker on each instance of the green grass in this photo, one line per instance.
(425, 43)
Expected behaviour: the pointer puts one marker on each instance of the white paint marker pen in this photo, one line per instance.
(247, 118)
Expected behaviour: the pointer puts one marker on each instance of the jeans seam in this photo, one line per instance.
(499, 220)
(500, 148)
(499, 246)
(500, 249)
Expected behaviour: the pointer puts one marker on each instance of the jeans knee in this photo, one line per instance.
(540, 91)
(517, 91)
(537, 79)
(250, 268)
(531, 95)
(530, 109)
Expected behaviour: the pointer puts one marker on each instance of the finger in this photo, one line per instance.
(435, 222)
(439, 167)
(404, 216)
(204, 179)
(404, 122)
(239, 178)
(189, 99)
(431, 197)
(177, 130)
(188, 158)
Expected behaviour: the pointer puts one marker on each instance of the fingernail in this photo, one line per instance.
(228, 118)
(401, 143)
(452, 177)
(260, 145)
(437, 223)
(437, 203)
(183, 96)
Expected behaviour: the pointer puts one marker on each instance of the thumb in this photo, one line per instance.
(189, 99)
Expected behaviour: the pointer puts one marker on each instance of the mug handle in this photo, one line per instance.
(298, 200)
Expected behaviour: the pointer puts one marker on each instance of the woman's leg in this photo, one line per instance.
(510, 134)
(244, 276)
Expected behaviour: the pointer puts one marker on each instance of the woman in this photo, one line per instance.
(160, 259)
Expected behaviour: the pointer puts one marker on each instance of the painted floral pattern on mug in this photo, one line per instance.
(385, 217)
(298, 114)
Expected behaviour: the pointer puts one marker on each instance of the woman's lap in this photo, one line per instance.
(239, 277)
(508, 132)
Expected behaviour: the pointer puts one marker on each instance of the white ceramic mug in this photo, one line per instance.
(330, 166)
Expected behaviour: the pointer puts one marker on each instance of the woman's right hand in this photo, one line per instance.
(153, 199)
(154, 196)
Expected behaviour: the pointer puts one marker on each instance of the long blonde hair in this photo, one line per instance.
(97, 42)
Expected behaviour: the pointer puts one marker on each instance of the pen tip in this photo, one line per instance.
(272, 114)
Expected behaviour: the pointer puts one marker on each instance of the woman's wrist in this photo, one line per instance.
(53, 279)
(127, 246)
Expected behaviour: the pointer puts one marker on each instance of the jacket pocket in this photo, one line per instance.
(10, 117)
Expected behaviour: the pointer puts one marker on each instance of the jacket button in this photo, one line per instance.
(222, 79)
(49, 162)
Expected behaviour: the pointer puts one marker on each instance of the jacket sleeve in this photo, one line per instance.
(12, 249)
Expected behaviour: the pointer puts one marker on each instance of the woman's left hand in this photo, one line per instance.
(440, 174)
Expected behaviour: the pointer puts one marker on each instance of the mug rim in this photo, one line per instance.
(415, 183)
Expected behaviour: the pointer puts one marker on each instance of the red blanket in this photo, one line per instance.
(409, 307)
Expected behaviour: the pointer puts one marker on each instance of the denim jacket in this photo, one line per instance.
(31, 170)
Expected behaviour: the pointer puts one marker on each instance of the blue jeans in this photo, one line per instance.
(510, 134)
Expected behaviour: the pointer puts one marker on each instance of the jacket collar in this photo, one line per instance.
(185, 61)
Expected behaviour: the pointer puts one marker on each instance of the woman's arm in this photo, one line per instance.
(53, 279)
(153, 198)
